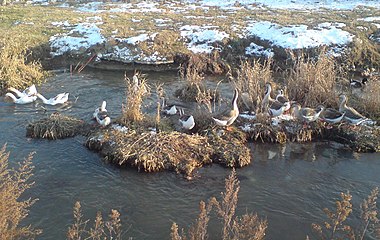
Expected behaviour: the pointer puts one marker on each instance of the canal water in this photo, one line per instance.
(289, 184)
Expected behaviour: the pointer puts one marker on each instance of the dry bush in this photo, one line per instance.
(56, 126)
(14, 71)
(336, 227)
(249, 226)
(13, 183)
(110, 229)
(368, 103)
(135, 94)
(312, 82)
(251, 79)
(195, 89)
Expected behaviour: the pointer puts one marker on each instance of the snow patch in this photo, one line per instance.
(256, 50)
(82, 36)
(200, 39)
(299, 36)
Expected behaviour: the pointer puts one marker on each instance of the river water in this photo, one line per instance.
(289, 184)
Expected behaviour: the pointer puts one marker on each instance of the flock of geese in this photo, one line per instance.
(30, 95)
(274, 107)
(280, 106)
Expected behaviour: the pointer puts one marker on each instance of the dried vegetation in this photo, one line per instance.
(14, 207)
(57, 126)
(248, 226)
(101, 229)
(313, 82)
(180, 152)
(336, 227)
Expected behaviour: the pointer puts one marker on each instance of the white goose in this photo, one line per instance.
(187, 121)
(171, 109)
(275, 108)
(101, 115)
(21, 100)
(226, 118)
(102, 108)
(283, 99)
(103, 118)
(59, 99)
(29, 91)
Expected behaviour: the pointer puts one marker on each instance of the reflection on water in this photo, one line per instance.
(289, 184)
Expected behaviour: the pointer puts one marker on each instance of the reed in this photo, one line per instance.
(15, 71)
(251, 78)
(101, 229)
(368, 101)
(13, 184)
(312, 82)
(136, 91)
(248, 226)
(337, 228)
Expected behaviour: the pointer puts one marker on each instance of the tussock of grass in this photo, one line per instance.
(131, 111)
(13, 184)
(251, 79)
(312, 82)
(287, 131)
(195, 89)
(15, 71)
(56, 126)
(180, 152)
(368, 101)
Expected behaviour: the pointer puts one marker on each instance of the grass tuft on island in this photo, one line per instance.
(57, 126)
(176, 151)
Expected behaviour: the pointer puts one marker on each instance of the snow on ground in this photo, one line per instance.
(256, 50)
(82, 36)
(201, 38)
(293, 4)
(299, 36)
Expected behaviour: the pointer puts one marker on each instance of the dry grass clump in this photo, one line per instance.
(336, 226)
(286, 131)
(136, 91)
(110, 229)
(251, 79)
(183, 153)
(368, 103)
(194, 89)
(13, 183)
(248, 226)
(312, 82)
(15, 71)
(56, 126)
(230, 149)
(152, 152)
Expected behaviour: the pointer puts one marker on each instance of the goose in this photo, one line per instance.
(274, 107)
(307, 114)
(331, 115)
(103, 118)
(283, 99)
(358, 84)
(59, 99)
(171, 109)
(187, 121)
(226, 118)
(29, 91)
(138, 85)
(352, 116)
(102, 108)
(21, 100)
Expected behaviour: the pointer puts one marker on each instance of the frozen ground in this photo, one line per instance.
(201, 38)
